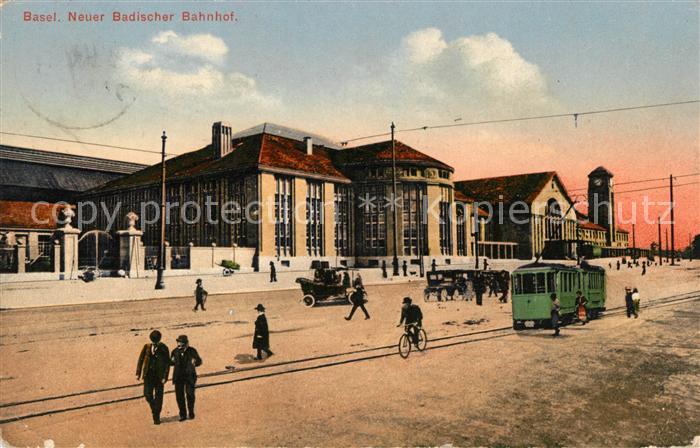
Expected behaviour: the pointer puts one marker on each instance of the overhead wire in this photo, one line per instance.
(150, 151)
(575, 115)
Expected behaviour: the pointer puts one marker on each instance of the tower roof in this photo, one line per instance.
(601, 170)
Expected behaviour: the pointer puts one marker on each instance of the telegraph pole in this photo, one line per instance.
(160, 283)
(395, 261)
(475, 234)
(666, 245)
(673, 242)
(661, 257)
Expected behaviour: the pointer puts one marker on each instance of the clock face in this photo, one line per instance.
(598, 182)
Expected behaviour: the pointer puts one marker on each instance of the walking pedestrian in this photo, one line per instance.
(200, 295)
(493, 286)
(618, 265)
(346, 280)
(554, 313)
(635, 302)
(153, 367)
(486, 264)
(629, 303)
(581, 308)
(357, 282)
(479, 287)
(433, 265)
(384, 275)
(358, 301)
(186, 360)
(273, 272)
(644, 267)
(405, 268)
(261, 337)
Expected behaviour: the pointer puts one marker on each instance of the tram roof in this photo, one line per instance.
(559, 266)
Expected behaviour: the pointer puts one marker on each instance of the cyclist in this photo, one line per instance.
(413, 318)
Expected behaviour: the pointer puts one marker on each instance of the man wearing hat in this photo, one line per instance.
(153, 367)
(185, 359)
(412, 316)
(261, 337)
(200, 295)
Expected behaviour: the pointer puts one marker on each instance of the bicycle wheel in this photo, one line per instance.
(422, 340)
(404, 346)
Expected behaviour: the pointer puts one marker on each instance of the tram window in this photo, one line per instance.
(578, 281)
(551, 283)
(517, 284)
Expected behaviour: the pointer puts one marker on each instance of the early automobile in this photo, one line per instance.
(327, 284)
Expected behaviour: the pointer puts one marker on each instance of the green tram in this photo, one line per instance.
(535, 282)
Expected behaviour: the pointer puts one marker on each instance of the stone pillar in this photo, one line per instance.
(21, 256)
(68, 236)
(168, 256)
(56, 256)
(131, 252)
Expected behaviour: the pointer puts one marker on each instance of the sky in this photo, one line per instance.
(347, 70)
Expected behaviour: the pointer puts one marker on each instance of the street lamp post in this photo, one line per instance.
(160, 283)
(395, 261)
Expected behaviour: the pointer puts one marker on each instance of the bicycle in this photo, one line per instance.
(405, 341)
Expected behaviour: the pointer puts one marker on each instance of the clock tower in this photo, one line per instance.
(601, 201)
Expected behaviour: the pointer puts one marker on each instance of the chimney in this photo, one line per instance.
(309, 146)
(221, 138)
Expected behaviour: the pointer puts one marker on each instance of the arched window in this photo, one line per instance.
(553, 220)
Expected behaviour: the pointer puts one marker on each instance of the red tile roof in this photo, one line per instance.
(508, 189)
(250, 152)
(591, 226)
(18, 215)
(381, 152)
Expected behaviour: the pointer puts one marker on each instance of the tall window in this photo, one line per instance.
(414, 228)
(445, 221)
(553, 221)
(239, 228)
(283, 216)
(314, 218)
(461, 230)
(372, 200)
(342, 209)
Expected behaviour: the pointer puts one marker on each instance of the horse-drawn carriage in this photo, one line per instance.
(327, 284)
(464, 284)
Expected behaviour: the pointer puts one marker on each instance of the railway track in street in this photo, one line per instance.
(57, 404)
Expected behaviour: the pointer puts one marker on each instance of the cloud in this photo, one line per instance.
(175, 66)
(202, 46)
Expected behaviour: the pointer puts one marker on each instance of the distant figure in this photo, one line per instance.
(433, 265)
(635, 302)
(504, 286)
(479, 287)
(581, 309)
(554, 313)
(412, 316)
(618, 265)
(357, 283)
(200, 295)
(153, 367)
(493, 286)
(629, 303)
(273, 272)
(358, 301)
(610, 265)
(644, 267)
(346, 280)
(629, 265)
(405, 268)
(186, 360)
(261, 337)
(384, 275)
(486, 264)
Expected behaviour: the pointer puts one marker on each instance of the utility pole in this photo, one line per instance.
(395, 261)
(634, 244)
(666, 245)
(661, 257)
(160, 283)
(421, 235)
(673, 241)
(475, 234)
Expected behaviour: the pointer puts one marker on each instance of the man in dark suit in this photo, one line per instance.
(358, 301)
(273, 272)
(185, 359)
(261, 337)
(153, 367)
(200, 295)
